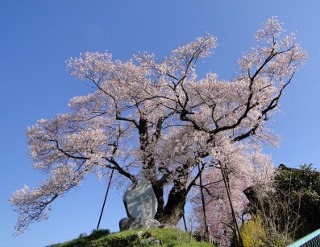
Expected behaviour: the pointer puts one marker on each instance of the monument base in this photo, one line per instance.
(132, 223)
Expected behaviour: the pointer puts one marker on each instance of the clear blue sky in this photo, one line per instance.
(36, 37)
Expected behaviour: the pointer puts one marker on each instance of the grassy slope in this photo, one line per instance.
(170, 237)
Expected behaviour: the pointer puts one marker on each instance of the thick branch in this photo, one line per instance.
(120, 170)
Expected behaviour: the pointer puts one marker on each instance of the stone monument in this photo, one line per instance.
(141, 206)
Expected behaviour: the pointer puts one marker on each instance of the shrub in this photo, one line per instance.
(253, 233)
(96, 234)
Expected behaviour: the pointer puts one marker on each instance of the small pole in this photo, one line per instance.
(203, 200)
(105, 199)
(184, 221)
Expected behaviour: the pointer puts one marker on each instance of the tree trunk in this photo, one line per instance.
(159, 194)
(174, 209)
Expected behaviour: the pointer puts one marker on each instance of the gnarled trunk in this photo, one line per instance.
(173, 211)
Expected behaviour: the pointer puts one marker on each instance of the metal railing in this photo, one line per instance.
(311, 240)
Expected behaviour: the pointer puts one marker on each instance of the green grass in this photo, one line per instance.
(170, 238)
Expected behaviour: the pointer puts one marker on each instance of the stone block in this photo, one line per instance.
(132, 223)
(140, 200)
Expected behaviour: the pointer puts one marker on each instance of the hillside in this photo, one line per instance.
(102, 238)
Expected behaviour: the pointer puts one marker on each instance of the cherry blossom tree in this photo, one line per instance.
(218, 212)
(156, 119)
(218, 206)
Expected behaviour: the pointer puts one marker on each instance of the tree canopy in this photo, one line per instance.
(154, 118)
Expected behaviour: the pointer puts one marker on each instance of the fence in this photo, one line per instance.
(311, 240)
(204, 237)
